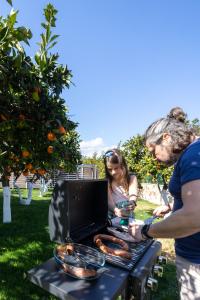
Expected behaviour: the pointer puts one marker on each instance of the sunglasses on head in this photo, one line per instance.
(109, 153)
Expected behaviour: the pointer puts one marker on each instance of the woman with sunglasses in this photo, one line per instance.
(122, 186)
(171, 141)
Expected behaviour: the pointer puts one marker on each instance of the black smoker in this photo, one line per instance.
(79, 210)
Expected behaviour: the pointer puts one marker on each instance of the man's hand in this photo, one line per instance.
(161, 211)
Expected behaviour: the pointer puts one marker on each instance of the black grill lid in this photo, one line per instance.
(87, 204)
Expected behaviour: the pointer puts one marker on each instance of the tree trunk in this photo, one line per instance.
(44, 186)
(29, 197)
(6, 205)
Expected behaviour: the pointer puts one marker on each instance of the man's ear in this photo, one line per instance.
(166, 136)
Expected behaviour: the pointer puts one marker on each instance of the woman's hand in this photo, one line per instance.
(161, 211)
(121, 212)
(125, 211)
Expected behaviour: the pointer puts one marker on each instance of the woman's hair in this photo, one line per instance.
(114, 156)
(175, 125)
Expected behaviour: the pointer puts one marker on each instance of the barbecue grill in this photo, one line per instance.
(79, 210)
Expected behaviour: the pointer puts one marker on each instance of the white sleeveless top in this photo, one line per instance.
(119, 194)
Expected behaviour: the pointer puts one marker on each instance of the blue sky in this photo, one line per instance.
(132, 61)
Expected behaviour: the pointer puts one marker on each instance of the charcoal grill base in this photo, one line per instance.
(114, 282)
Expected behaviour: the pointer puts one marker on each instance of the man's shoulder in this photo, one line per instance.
(191, 152)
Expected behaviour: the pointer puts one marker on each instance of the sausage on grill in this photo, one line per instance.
(123, 252)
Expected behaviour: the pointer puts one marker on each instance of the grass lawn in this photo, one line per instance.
(25, 243)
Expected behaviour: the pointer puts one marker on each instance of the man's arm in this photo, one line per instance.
(181, 223)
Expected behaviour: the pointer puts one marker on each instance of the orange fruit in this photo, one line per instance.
(25, 153)
(21, 117)
(8, 169)
(29, 166)
(3, 117)
(50, 149)
(51, 136)
(41, 171)
(37, 90)
(25, 172)
(62, 130)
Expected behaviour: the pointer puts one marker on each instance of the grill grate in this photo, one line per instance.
(137, 251)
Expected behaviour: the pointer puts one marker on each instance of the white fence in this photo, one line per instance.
(84, 171)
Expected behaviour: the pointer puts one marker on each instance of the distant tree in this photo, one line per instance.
(141, 162)
(195, 125)
(36, 132)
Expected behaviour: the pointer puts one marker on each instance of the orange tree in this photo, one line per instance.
(36, 132)
(195, 125)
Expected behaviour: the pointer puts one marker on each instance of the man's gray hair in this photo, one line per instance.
(179, 131)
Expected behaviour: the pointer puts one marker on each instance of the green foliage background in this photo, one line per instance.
(139, 159)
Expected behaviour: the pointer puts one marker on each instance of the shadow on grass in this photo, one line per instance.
(24, 244)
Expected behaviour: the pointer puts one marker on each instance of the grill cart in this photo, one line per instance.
(77, 212)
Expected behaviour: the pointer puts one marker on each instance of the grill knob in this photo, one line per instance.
(158, 270)
(152, 284)
(162, 260)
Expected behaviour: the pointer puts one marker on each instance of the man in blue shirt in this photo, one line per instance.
(172, 142)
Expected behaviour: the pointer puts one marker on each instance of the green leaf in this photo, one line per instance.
(37, 58)
(19, 47)
(43, 40)
(3, 153)
(12, 17)
(23, 34)
(3, 33)
(9, 2)
(52, 45)
(44, 25)
(35, 96)
(18, 61)
(50, 13)
(48, 33)
(55, 36)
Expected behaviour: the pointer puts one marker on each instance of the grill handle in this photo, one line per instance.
(152, 284)
(158, 270)
(162, 260)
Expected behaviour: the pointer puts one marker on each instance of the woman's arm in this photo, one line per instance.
(119, 212)
(133, 188)
(111, 203)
